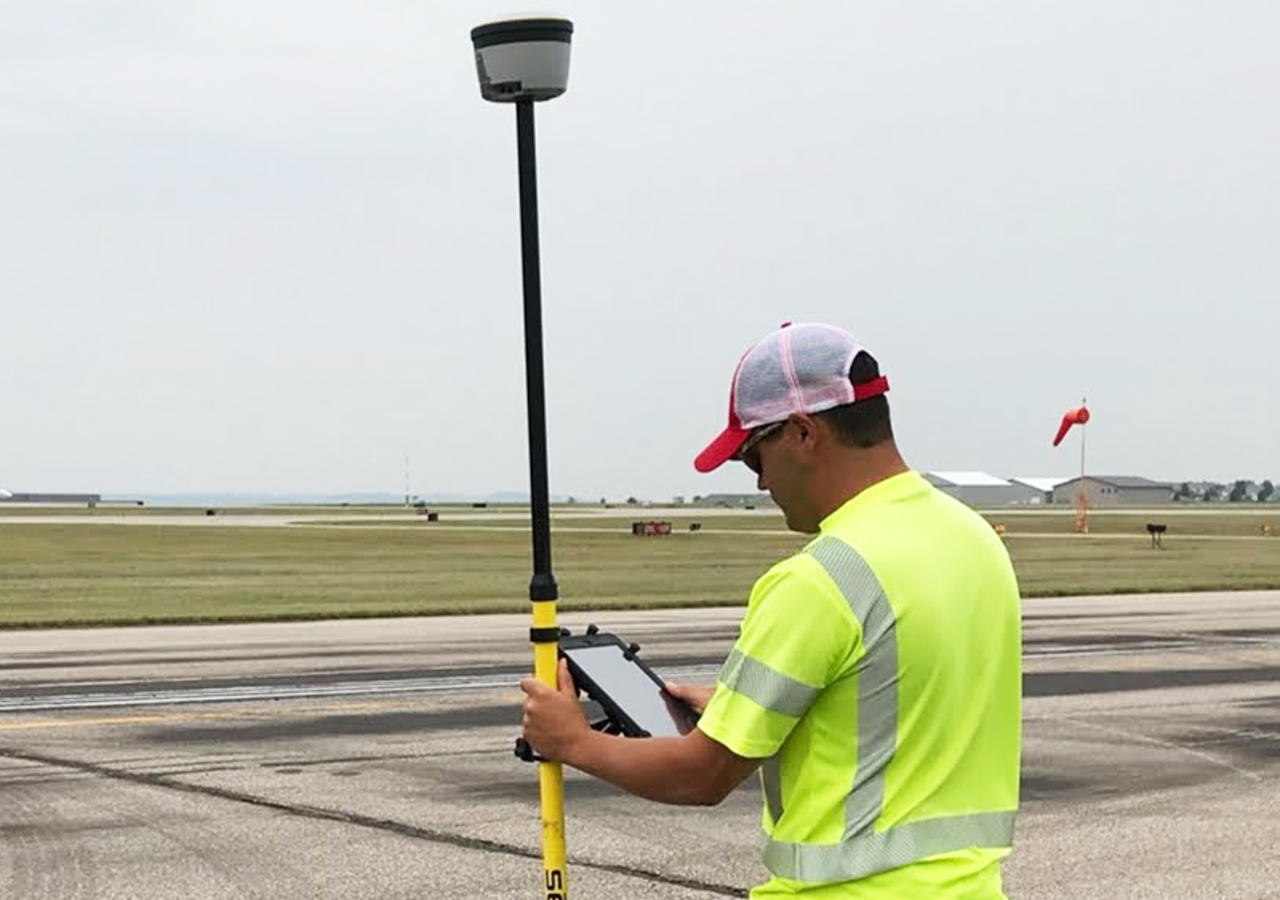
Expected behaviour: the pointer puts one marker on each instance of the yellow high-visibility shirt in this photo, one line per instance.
(879, 672)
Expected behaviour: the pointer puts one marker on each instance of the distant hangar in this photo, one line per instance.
(981, 490)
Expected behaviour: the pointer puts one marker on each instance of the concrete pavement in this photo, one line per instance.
(1151, 756)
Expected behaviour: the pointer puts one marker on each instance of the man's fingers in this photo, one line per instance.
(564, 683)
(696, 697)
(531, 685)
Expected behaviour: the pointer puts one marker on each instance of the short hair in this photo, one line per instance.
(863, 423)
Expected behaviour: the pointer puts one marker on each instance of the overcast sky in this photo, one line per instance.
(273, 245)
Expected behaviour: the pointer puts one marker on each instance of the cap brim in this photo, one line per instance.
(721, 450)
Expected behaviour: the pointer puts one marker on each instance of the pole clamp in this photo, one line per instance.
(544, 635)
(525, 751)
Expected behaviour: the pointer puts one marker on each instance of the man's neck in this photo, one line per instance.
(854, 469)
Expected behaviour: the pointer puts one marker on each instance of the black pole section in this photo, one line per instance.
(543, 584)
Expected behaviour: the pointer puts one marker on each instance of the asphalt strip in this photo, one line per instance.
(385, 825)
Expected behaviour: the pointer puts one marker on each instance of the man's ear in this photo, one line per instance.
(808, 431)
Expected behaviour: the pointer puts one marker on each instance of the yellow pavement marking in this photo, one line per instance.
(112, 720)
(87, 722)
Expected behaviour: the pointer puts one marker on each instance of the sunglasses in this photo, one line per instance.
(753, 440)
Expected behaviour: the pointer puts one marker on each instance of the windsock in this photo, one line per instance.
(1077, 416)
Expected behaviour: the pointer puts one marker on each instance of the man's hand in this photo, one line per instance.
(693, 769)
(553, 720)
(696, 697)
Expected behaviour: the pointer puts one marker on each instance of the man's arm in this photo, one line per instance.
(689, 770)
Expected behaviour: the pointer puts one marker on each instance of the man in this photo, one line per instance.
(876, 680)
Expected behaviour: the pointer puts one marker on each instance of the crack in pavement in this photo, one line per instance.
(387, 825)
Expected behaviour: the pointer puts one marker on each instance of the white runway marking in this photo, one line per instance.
(241, 693)
(1168, 745)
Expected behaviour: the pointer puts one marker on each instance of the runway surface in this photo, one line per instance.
(372, 759)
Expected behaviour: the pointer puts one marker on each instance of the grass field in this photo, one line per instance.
(93, 573)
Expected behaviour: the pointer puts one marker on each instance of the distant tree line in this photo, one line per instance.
(1241, 491)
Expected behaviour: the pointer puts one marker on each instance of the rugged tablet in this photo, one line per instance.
(633, 698)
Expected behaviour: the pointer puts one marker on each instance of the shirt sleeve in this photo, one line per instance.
(795, 639)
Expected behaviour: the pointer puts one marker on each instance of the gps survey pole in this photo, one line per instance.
(523, 61)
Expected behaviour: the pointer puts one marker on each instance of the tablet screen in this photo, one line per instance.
(627, 684)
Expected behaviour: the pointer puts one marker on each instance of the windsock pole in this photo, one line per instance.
(1082, 495)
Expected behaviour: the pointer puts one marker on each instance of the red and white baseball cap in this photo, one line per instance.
(801, 368)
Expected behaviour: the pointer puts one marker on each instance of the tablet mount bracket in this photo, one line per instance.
(608, 725)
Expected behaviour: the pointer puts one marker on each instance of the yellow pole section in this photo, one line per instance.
(555, 880)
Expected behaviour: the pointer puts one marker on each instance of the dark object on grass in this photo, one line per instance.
(1157, 534)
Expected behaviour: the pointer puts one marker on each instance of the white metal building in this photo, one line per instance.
(980, 490)
(1042, 485)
